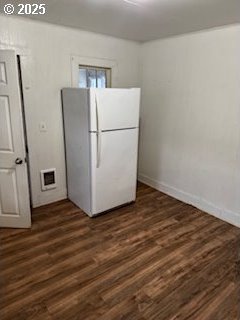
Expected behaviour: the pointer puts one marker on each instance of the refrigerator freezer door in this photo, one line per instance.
(113, 169)
(112, 109)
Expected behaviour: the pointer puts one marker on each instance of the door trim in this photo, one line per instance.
(24, 127)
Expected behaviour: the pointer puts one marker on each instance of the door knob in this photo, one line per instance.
(18, 161)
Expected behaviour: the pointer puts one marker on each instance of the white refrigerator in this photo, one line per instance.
(101, 145)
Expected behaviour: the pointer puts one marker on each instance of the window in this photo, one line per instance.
(94, 77)
(109, 68)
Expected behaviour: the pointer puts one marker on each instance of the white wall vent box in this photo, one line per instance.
(48, 179)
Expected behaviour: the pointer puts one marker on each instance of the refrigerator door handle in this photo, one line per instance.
(99, 133)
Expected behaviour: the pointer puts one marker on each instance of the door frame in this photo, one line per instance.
(20, 83)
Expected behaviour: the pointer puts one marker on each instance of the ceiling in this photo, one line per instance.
(139, 20)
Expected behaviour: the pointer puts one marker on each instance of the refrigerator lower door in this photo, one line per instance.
(113, 169)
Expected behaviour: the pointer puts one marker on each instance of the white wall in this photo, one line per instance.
(46, 50)
(190, 126)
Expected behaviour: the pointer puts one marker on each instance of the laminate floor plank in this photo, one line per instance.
(156, 259)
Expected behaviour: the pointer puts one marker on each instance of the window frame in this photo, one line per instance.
(76, 61)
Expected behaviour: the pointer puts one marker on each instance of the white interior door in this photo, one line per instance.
(114, 174)
(14, 193)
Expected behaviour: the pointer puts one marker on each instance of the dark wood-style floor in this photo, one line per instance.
(155, 259)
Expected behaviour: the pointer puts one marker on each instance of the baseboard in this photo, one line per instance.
(202, 204)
